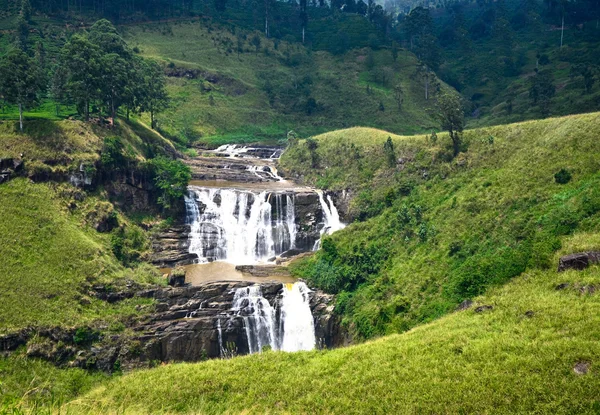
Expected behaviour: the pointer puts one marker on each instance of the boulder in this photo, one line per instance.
(578, 261)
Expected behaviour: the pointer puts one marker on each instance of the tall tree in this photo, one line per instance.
(82, 59)
(155, 98)
(19, 81)
(58, 86)
(452, 118)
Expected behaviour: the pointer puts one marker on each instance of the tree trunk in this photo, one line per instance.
(21, 117)
(152, 122)
(87, 111)
(455, 142)
(562, 30)
(303, 34)
(57, 110)
(427, 89)
(113, 114)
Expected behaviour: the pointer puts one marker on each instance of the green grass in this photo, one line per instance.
(240, 108)
(50, 256)
(430, 232)
(37, 386)
(498, 361)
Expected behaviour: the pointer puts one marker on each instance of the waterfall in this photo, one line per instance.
(259, 318)
(331, 217)
(295, 331)
(220, 333)
(238, 226)
(298, 325)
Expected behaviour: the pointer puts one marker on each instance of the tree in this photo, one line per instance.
(82, 59)
(394, 50)
(428, 78)
(588, 73)
(58, 86)
(399, 95)
(26, 10)
(256, 42)
(114, 79)
(19, 81)
(541, 90)
(171, 177)
(155, 98)
(452, 118)
(390, 153)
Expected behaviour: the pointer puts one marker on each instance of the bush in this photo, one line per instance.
(562, 176)
(171, 177)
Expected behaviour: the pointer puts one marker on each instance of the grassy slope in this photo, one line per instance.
(241, 109)
(441, 232)
(47, 258)
(499, 361)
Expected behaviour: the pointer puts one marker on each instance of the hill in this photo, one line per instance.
(432, 231)
(530, 348)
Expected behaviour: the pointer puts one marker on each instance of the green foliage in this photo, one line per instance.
(498, 355)
(390, 154)
(452, 118)
(171, 177)
(467, 225)
(129, 243)
(563, 176)
(85, 335)
(19, 80)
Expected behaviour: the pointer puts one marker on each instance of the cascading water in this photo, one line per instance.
(238, 226)
(259, 318)
(331, 217)
(297, 320)
(295, 331)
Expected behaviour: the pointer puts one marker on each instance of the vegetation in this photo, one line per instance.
(434, 230)
(517, 357)
(49, 258)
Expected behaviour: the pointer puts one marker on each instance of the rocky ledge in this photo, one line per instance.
(171, 248)
(190, 324)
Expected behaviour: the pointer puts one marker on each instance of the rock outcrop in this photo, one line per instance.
(9, 168)
(189, 324)
(578, 261)
(171, 247)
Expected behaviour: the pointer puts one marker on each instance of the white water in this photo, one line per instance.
(238, 226)
(259, 318)
(331, 217)
(295, 331)
(297, 320)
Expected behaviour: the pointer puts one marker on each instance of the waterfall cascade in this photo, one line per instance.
(290, 330)
(238, 226)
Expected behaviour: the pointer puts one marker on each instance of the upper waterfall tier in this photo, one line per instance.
(239, 226)
(247, 227)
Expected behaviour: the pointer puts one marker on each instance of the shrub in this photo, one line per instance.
(563, 176)
(171, 177)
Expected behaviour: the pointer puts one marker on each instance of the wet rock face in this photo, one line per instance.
(309, 220)
(187, 328)
(238, 170)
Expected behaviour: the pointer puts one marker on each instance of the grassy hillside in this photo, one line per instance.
(265, 93)
(432, 231)
(48, 259)
(518, 357)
